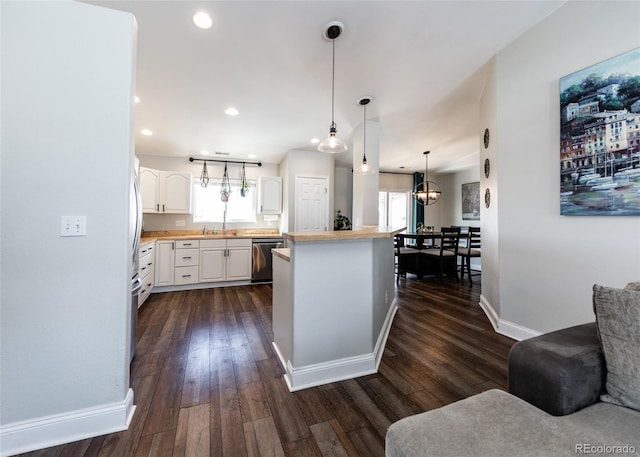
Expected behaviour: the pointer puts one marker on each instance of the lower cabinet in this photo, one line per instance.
(225, 260)
(146, 261)
(183, 262)
(186, 262)
(165, 263)
(238, 260)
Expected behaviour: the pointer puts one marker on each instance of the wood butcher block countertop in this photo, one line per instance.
(337, 235)
(150, 236)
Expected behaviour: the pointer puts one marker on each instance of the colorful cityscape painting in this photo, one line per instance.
(600, 138)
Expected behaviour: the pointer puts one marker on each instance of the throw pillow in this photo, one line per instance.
(635, 285)
(618, 322)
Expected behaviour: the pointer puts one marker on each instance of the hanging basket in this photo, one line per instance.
(225, 188)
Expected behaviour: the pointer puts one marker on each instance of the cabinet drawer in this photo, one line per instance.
(181, 244)
(147, 286)
(187, 257)
(145, 264)
(239, 243)
(186, 275)
(146, 249)
(216, 244)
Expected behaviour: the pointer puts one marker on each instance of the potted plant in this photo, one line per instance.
(244, 185)
(341, 222)
(225, 188)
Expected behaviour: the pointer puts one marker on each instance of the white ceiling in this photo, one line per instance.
(424, 63)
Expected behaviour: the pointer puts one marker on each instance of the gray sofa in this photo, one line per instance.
(553, 407)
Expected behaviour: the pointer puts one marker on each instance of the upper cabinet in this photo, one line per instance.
(270, 195)
(165, 191)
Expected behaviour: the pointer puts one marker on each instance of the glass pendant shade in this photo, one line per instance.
(332, 144)
(365, 168)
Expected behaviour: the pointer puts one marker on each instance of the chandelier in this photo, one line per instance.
(427, 192)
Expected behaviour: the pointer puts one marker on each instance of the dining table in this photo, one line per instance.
(417, 264)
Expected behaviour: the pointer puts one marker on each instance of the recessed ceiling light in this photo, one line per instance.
(252, 156)
(137, 99)
(231, 111)
(202, 20)
(146, 132)
(315, 140)
(204, 153)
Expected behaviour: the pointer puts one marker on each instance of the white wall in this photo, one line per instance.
(305, 163)
(451, 201)
(343, 191)
(215, 170)
(547, 262)
(67, 115)
(489, 216)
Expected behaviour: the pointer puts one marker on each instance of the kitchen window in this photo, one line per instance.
(208, 206)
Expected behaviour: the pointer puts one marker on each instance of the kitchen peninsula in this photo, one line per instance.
(333, 303)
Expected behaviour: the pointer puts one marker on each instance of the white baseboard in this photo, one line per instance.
(30, 435)
(298, 378)
(504, 327)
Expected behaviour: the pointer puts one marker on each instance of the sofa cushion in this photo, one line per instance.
(559, 372)
(635, 285)
(618, 319)
(497, 424)
(489, 424)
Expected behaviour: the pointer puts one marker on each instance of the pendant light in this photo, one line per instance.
(333, 144)
(427, 192)
(364, 168)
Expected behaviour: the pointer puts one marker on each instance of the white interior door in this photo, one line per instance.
(312, 195)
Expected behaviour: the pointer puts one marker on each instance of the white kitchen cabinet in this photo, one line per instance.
(146, 271)
(165, 263)
(269, 195)
(225, 260)
(238, 260)
(213, 260)
(167, 192)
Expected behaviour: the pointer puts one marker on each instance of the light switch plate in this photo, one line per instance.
(73, 225)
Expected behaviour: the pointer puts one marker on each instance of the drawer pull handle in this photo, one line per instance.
(186, 276)
(149, 264)
(186, 244)
(143, 268)
(186, 258)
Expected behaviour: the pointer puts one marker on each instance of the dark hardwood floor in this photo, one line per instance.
(207, 382)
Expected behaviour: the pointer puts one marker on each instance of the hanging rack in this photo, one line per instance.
(193, 159)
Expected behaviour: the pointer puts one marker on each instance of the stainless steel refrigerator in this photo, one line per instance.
(136, 227)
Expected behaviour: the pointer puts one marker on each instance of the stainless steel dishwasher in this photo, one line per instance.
(261, 270)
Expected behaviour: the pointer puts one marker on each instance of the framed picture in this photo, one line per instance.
(471, 201)
(600, 138)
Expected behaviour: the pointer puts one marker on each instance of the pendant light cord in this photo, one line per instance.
(364, 135)
(333, 79)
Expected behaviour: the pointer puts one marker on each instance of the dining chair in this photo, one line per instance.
(472, 250)
(446, 254)
(402, 253)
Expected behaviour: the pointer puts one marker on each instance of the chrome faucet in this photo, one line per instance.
(204, 230)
